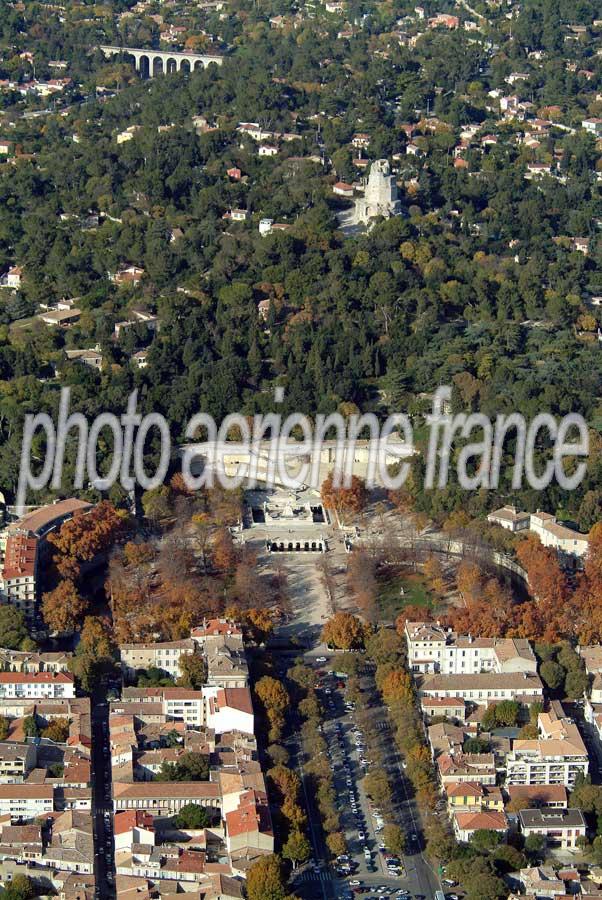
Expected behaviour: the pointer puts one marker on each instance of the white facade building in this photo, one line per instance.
(510, 518)
(433, 648)
(229, 709)
(486, 688)
(557, 757)
(165, 655)
(26, 801)
(559, 537)
(560, 827)
(37, 685)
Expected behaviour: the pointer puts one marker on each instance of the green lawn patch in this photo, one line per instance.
(415, 593)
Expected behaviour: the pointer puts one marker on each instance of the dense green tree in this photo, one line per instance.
(192, 816)
(13, 630)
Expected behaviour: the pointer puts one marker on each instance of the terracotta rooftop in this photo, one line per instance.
(236, 698)
(216, 626)
(36, 677)
(538, 793)
(26, 791)
(39, 520)
(488, 820)
(155, 789)
(20, 556)
(252, 815)
(132, 818)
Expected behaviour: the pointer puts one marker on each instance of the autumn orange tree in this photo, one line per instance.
(266, 880)
(344, 631)
(361, 578)
(491, 614)
(583, 612)
(57, 730)
(257, 624)
(345, 501)
(397, 686)
(63, 608)
(469, 580)
(547, 581)
(96, 652)
(139, 553)
(84, 536)
(274, 699)
(411, 613)
(433, 570)
(593, 560)
(223, 552)
(164, 596)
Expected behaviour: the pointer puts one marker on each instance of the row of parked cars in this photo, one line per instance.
(380, 892)
(354, 802)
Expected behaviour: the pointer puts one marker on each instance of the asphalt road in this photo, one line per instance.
(321, 882)
(101, 802)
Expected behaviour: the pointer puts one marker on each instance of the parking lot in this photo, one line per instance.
(366, 868)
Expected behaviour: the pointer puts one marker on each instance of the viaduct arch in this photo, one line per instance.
(151, 63)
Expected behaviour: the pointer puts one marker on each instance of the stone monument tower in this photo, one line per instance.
(381, 195)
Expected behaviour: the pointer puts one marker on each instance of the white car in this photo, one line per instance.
(361, 835)
(320, 659)
(354, 883)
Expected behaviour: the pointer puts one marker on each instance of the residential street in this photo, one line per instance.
(345, 751)
(101, 798)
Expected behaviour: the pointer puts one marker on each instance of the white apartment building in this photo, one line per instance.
(432, 648)
(26, 801)
(179, 704)
(510, 518)
(22, 545)
(32, 661)
(223, 709)
(229, 709)
(559, 537)
(593, 125)
(184, 705)
(165, 798)
(16, 761)
(484, 689)
(165, 655)
(13, 277)
(37, 685)
(560, 827)
(551, 533)
(557, 757)
(134, 827)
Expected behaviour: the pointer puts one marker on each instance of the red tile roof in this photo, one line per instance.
(36, 677)
(443, 701)
(26, 791)
(539, 793)
(149, 790)
(488, 820)
(216, 626)
(191, 861)
(132, 818)
(235, 698)
(252, 815)
(464, 789)
(40, 519)
(20, 556)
